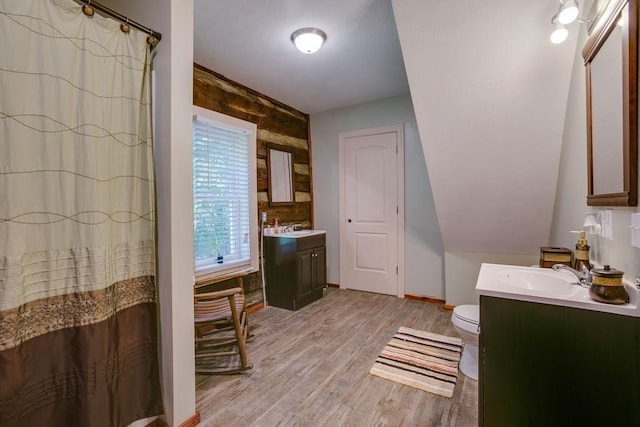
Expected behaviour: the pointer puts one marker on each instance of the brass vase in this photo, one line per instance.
(607, 287)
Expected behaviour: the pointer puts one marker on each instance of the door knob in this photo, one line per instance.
(349, 220)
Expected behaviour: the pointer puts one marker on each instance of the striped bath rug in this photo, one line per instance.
(422, 360)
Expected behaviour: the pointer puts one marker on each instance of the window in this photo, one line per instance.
(225, 207)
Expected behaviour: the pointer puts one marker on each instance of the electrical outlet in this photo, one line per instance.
(263, 217)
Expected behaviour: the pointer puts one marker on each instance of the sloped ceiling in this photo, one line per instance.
(490, 93)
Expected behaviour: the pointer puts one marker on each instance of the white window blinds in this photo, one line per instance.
(223, 186)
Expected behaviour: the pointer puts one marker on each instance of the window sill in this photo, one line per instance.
(211, 278)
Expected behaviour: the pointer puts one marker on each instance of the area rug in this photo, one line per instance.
(420, 359)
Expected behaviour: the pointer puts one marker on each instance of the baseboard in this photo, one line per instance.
(426, 299)
(254, 308)
(192, 421)
(433, 300)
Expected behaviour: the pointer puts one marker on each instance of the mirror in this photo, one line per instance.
(611, 73)
(280, 166)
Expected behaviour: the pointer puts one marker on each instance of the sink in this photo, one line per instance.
(297, 234)
(539, 281)
(546, 286)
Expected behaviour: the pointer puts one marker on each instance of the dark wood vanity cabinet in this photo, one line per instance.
(295, 270)
(545, 365)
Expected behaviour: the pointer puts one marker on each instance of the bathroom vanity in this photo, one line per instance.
(549, 356)
(295, 268)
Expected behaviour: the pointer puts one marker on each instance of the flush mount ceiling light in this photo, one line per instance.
(308, 40)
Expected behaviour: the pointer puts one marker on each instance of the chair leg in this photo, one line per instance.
(239, 333)
(208, 338)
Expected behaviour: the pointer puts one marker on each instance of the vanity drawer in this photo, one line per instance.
(310, 242)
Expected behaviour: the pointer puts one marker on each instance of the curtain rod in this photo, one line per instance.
(88, 6)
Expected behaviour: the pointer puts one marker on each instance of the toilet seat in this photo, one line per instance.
(467, 317)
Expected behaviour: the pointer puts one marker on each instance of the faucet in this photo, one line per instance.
(584, 276)
(291, 227)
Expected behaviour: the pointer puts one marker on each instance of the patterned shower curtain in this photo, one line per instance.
(78, 297)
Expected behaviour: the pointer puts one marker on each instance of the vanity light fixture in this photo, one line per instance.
(308, 40)
(568, 11)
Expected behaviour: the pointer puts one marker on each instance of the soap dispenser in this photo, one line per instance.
(581, 259)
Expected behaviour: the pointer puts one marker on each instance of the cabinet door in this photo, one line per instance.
(305, 261)
(544, 365)
(319, 267)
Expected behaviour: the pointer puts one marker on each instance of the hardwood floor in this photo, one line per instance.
(310, 368)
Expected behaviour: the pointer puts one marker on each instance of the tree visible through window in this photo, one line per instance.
(224, 194)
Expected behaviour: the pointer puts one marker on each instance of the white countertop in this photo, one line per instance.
(497, 280)
(297, 234)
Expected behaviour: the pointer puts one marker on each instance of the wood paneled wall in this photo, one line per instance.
(276, 123)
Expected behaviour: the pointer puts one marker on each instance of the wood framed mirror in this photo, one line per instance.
(611, 63)
(280, 171)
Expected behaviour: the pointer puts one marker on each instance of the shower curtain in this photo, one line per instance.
(78, 297)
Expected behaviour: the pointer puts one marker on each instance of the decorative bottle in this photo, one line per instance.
(581, 259)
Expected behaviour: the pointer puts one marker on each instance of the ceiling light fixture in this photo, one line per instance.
(559, 33)
(568, 12)
(308, 40)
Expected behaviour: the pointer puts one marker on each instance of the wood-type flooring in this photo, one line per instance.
(310, 368)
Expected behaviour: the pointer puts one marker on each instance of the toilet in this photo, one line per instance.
(466, 320)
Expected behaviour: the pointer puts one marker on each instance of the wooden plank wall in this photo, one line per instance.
(276, 123)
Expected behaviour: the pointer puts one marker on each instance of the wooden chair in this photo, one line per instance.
(221, 331)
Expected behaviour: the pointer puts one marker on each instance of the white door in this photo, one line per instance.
(371, 229)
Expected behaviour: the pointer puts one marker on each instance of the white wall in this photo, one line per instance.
(489, 92)
(424, 260)
(489, 101)
(172, 147)
(462, 270)
(571, 203)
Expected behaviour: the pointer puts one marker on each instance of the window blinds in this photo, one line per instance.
(221, 199)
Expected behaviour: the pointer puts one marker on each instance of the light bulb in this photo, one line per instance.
(568, 12)
(308, 40)
(559, 34)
